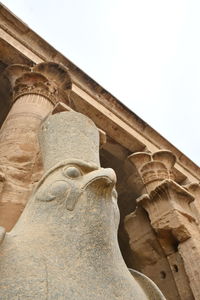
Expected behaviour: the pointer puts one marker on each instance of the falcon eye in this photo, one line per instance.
(71, 172)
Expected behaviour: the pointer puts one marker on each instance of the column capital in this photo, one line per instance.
(49, 79)
(153, 168)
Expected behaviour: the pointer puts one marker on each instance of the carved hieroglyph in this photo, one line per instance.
(64, 245)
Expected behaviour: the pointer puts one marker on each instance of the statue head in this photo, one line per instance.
(73, 177)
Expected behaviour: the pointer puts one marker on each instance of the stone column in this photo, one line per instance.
(35, 91)
(169, 208)
(148, 254)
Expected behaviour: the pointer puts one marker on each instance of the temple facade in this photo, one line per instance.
(157, 185)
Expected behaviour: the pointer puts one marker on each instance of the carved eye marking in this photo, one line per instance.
(50, 192)
(58, 188)
(71, 172)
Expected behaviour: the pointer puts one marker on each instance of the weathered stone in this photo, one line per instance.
(63, 140)
(64, 245)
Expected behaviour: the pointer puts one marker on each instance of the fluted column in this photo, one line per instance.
(35, 91)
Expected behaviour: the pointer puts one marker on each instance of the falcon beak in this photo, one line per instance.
(105, 177)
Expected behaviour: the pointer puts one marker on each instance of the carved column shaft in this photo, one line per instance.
(18, 150)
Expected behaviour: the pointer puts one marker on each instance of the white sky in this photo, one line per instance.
(144, 52)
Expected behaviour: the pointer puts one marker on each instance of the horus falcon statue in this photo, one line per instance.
(64, 246)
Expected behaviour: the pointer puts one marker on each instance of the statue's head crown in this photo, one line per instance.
(69, 135)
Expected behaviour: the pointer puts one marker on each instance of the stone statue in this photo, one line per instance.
(64, 245)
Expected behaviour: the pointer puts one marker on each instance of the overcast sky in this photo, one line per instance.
(144, 52)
